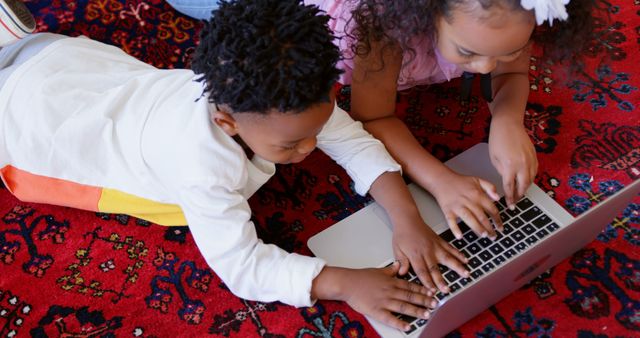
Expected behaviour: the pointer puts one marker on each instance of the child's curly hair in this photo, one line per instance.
(394, 23)
(260, 55)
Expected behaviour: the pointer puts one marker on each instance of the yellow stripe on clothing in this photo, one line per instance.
(118, 202)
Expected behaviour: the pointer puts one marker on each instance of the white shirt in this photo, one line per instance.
(86, 112)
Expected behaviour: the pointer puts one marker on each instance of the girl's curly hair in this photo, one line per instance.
(393, 23)
(260, 55)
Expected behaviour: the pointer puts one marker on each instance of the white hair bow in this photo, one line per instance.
(547, 9)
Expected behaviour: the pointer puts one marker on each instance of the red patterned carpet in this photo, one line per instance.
(68, 273)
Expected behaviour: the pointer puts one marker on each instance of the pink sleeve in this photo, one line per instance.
(340, 12)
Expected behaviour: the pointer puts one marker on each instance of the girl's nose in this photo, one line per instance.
(484, 65)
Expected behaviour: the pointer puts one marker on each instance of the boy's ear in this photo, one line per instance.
(225, 121)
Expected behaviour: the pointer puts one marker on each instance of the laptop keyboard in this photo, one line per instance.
(523, 227)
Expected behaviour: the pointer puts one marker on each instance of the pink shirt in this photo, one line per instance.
(426, 67)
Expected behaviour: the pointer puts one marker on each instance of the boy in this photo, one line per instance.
(87, 126)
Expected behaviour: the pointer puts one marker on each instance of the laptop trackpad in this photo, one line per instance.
(364, 241)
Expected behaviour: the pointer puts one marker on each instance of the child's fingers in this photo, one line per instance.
(489, 206)
(392, 270)
(483, 220)
(489, 189)
(414, 293)
(436, 276)
(470, 219)
(455, 260)
(385, 316)
(454, 252)
(452, 220)
(404, 264)
(407, 308)
(509, 185)
(524, 181)
(423, 273)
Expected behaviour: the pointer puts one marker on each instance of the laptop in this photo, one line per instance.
(538, 235)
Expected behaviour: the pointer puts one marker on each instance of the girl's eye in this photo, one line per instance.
(465, 55)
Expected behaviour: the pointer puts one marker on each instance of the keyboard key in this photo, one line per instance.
(464, 228)
(496, 249)
(406, 318)
(459, 243)
(474, 262)
(451, 276)
(407, 276)
(517, 236)
(541, 221)
(528, 229)
(440, 296)
(488, 267)
(470, 236)
(512, 213)
(507, 229)
(542, 233)
(484, 242)
(476, 273)
(498, 260)
(553, 227)
(485, 255)
(465, 253)
(465, 281)
(507, 242)
(524, 204)
(447, 235)
(474, 248)
(509, 253)
(520, 247)
(504, 217)
(516, 222)
(421, 322)
(530, 214)
(411, 329)
(454, 287)
(531, 240)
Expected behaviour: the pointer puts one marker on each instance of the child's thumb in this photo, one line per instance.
(392, 269)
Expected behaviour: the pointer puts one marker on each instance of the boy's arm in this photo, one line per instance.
(510, 147)
(220, 224)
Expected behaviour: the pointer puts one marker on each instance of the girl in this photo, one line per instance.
(390, 45)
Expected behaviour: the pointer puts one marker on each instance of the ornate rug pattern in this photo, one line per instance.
(70, 273)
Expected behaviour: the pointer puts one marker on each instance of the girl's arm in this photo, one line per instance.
(373, 98)
(510, 147)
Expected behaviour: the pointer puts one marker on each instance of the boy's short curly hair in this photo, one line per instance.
(260, 55)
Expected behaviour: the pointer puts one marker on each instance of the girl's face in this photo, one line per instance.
(478, 40)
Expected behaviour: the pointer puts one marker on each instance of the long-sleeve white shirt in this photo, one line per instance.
(86, 112)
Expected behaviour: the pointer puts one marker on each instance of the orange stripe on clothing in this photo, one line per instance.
(29, 187)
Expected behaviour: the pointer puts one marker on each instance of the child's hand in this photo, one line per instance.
(471, 199)
(416, 245)
(378, 293)
(514, 156)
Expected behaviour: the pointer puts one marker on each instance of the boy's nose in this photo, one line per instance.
(307, 146)
(485, 65)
